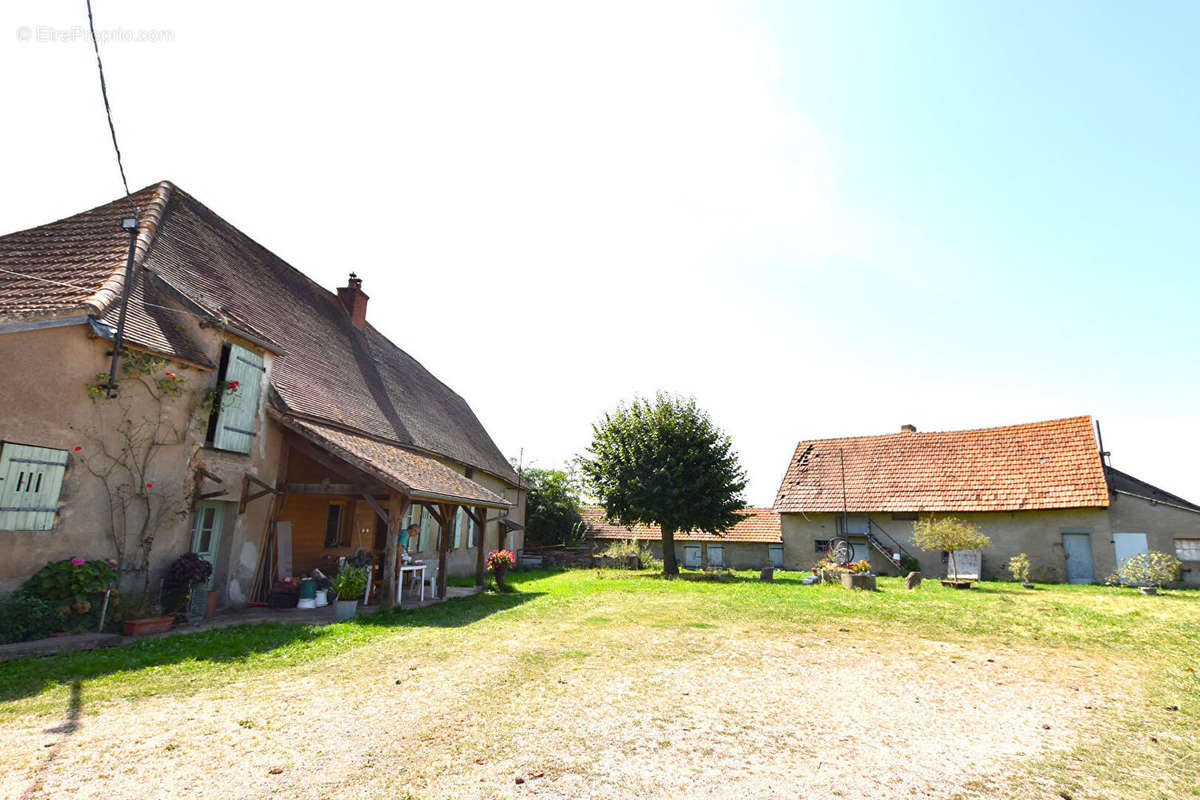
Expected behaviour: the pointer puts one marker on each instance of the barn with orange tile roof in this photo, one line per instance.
(753, 542)
(1040, 488)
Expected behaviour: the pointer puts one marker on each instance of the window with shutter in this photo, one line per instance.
(459, 516)
(30, 481)
(238, 410)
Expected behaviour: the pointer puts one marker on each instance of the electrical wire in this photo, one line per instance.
(76, 287)
(108, 111)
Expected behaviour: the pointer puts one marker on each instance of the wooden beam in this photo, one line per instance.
(374, 504)
(397, 505)
(447, 510)
(335, 488)
(435, 513)
(326, 460)
(479, 517)
(247, 479)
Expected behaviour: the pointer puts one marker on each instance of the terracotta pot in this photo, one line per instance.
(210, 605)
(142, 627)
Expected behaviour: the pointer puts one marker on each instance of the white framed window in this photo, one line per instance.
(775, 555)
(1187, 549)
(31, 480)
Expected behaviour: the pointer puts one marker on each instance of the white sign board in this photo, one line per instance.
(968, 562)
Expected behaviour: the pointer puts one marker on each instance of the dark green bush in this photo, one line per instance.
(24, 617)
(71, 587)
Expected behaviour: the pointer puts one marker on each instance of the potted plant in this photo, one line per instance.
(500, 562)
(1018, 565)
(951, 535)
(185, 587)
(348, 585)
(1149, 571)
(857, 575)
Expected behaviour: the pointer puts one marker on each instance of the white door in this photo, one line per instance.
(1077, 548)
(716, 555)
(862, 550)
(1127, 545)
(691, 556)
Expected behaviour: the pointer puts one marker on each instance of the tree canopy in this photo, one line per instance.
(949, 534)
(664, 462)
(552, 506)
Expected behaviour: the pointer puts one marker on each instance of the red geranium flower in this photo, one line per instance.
(149, 486)
(77, 448)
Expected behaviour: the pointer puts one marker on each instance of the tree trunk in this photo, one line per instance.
(670, 565)
(953, 566)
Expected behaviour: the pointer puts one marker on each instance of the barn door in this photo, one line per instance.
(1077, 547)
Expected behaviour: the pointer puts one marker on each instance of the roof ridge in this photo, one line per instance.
(148, 223)
(1013, 426)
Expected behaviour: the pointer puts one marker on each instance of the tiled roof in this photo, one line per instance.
(756, 525)
(1039, 465)
(403, 469)
(351, 377)
(76, 263)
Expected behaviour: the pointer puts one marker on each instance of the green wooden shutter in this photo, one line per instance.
(30, 481)
(423, 539)
(239, 410)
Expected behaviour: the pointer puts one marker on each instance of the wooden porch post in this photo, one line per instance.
(479, 543)
(448, 510)
(397, 505)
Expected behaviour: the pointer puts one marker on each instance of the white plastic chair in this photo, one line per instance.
(431, 577)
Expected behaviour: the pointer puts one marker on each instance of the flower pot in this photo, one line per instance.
(951, 584)
(499, 577)
(1149, 589)
(210, 605)
(345, 609)
(858, 580)
(830, 576)
(147, 625)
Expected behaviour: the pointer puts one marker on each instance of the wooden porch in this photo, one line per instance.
(343, 498)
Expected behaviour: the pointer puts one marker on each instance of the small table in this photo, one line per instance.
(414, 569)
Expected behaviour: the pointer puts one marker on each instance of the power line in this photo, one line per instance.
(108, 110)
(78, 288)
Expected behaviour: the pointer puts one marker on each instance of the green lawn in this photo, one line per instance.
(504, 671)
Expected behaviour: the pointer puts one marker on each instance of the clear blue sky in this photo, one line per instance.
(819, 219)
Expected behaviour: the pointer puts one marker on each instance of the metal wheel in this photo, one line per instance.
(840, 551)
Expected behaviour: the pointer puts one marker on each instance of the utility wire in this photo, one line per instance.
(144, 302)
(108, 110)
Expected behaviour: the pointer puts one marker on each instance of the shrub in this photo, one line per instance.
(909, 564)
(624, 548)
(1018, 565)
(185, 572)
(1149, 569)
(350, 582)
(24, 617)
(69, 587)
(949, 534)
(499, 560)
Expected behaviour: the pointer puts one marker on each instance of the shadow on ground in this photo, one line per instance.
(29, 676)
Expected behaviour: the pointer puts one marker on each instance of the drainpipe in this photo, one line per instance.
(130, 224)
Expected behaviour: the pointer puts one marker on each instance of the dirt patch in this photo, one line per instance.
(582, 712)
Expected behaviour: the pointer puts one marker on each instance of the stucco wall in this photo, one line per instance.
(1038, 534)
(1161, 523)
(737, 555)
(44, 402)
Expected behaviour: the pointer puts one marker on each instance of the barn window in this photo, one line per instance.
(333, 525)
(1187, 549)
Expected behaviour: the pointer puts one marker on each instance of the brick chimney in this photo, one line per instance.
(354, 300)
(908, 428)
